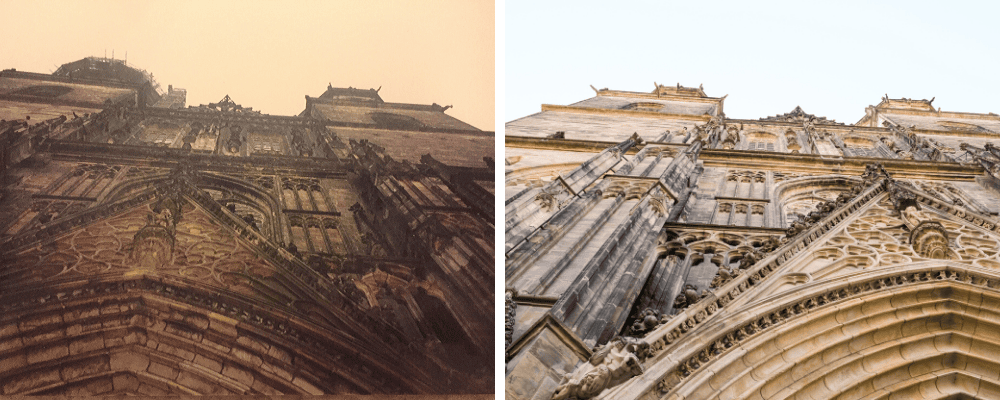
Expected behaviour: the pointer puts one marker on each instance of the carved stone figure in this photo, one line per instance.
(688, 296)
(510, 308)
(723, 276)
(611, 365)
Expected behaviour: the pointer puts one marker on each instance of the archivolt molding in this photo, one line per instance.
(917, 286)
(159, 317)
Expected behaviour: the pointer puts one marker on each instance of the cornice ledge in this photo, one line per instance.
(631, 113)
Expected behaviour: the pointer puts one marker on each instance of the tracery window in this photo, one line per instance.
(313, 220)
(266, 144)
(305, 194)
(761, 141)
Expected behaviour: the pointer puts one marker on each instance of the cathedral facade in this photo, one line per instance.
(153, 248)
(656, 249)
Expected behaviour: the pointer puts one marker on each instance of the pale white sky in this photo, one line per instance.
(831, 58)
(267, 54)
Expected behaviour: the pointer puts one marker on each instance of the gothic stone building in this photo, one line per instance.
(151, 248)
(656, 249)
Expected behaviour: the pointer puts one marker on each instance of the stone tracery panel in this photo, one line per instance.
(203, 251)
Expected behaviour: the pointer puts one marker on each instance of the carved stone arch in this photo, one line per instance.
(801, 192)
(847, 340)
(144, 337)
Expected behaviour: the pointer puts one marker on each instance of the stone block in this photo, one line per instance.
(150, 390)
(74, 329)
(194, 382)
(197, 321)
(87, 366)
(40, 320)
(9, 329)
(100, 386)
(182, 331)
(918, 349)
(238, 374)
(263, 388)
(10, 344)
(175, 349)
(276, 370)
(110, 309)
(162, 370)
(46, 353)
(129, 361)
(125, 383)
(891, 377)
(245, 356)
(135, 337)
(887, 333)
(11, 362)
(807, 366)
(26, 382)
(223, 347)
(301, 383)
(223, 325)
(882, 360)
(208, 363)
(252, 344)
(279, 354)
(115, 337)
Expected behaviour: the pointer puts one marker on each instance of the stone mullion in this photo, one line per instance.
(295, 194)
(326, 200)
(436, 190)
(58, 183)
(305, 231)
(642, 262)
(114, 181)
(560, 222)
(528, 251)
(566, 260)
(73, 185)
(621, 257)
(326, 237)
(519, 212)
(312, 200)
(656, 291)
(97, 179)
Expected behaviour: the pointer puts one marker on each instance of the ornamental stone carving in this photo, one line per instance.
(611, 364)
(930, 240)
(510, 308)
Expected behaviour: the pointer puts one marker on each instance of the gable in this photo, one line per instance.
(203, 251)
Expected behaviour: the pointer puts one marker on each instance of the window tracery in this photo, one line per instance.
(761, 141)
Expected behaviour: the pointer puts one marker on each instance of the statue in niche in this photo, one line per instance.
(610, 365)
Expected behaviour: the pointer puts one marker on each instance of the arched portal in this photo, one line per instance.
(928, 331)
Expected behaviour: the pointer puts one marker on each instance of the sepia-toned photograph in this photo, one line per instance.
(751, 200)
(247, 198)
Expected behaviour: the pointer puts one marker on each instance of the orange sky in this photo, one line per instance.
(269, 55)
